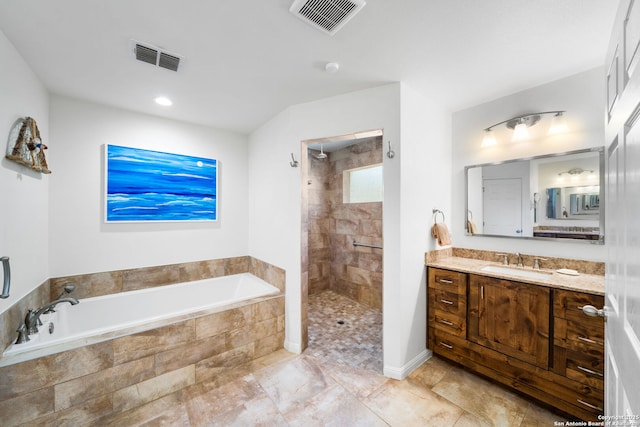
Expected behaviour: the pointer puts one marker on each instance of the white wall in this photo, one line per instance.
(410, 191)
(80, 241)
(582, 96)
(24, 194)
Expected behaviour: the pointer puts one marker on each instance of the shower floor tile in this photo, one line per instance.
(345, 332)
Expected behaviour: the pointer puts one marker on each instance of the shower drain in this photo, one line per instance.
(340, 322)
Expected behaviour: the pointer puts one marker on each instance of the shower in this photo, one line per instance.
(343, 288)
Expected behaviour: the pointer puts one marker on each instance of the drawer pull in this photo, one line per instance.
(446, 301)
(589, 371)
(446, 281)
(590, 341)
(597, 408)
(446, 322)
(445, 345)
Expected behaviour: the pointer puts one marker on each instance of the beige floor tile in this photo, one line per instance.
(430, 372)
(333, 407)
(494, 404)
(400, 403)
(469, 420)
(358, 381)
(540, 417)
(256, 412)
(293, 383)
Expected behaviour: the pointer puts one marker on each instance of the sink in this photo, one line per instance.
(531, 274)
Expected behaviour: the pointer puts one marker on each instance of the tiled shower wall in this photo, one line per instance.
(334, 263)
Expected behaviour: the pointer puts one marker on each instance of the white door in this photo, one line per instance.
(622, 290)
(502, 206)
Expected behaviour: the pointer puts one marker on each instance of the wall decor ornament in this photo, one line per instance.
(26, 147)
(146, 185)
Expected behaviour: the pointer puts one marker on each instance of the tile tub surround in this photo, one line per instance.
(471, 261)
(81, 386)
(105, 283)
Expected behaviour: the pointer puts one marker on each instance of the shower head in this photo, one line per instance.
(321, 155)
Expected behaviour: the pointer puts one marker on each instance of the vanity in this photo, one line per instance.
(521, 327)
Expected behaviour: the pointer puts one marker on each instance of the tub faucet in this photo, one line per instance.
(32, 319)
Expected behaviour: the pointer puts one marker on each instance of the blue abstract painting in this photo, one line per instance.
(146, 185)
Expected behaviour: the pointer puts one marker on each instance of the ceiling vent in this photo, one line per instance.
(327, 15)
(155, 56)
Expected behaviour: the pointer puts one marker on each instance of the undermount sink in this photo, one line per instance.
(531, 274)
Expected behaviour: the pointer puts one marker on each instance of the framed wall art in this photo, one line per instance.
(145, 185)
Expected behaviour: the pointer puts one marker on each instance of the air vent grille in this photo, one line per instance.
(326, 15)
(153, 55)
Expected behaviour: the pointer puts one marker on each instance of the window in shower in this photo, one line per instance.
(362, 185)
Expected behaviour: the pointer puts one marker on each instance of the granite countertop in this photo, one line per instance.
(589, 283)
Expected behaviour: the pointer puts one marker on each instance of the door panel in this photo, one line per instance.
(502, 206)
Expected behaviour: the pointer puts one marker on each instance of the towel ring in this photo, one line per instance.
(435, 215)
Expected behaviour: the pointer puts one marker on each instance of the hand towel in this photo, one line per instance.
(471, 227)
(441, 233)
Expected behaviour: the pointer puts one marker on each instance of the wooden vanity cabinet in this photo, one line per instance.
(528, 337)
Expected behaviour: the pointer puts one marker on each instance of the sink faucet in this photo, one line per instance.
(519, 257)
(32, 318)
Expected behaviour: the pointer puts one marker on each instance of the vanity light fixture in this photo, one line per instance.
(521, 125)
(575, 171)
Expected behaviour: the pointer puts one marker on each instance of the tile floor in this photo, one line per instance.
(323, 388)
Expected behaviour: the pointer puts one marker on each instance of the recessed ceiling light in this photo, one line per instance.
(332, 67)
(164, 101)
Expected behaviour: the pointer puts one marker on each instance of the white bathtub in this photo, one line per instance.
(111, 316)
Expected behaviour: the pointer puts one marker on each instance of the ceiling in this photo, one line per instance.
(245, 61)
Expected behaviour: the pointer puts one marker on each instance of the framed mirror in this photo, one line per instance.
(553, 196)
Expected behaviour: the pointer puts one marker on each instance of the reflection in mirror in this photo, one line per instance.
(552, 196)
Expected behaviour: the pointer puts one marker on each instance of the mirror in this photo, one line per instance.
(554, 196)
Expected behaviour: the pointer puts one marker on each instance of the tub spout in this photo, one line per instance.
(32, 319)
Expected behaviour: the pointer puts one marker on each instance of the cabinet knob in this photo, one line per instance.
(591, 311)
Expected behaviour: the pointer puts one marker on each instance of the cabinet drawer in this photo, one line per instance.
(585, 370)
(449, 323)
(448, 345)
(579, 336)
(568, 305)
(450, 281)
(446, 302)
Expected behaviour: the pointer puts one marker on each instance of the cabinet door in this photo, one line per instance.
(510, 317)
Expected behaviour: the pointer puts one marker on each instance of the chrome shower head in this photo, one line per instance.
(321, 155)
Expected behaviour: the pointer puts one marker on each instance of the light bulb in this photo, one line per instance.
(558, 125)
(520, 132)
(489, 138)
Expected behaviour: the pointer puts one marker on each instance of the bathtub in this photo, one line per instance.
(110, 316)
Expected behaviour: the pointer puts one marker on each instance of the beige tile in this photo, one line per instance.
(143, 344)
(146, 391)
(269, 309)
(430, 372)
(541, 417)
(76, 391)
(86, 414)
(333, 406)
(166, 411)
(223, 321)
(257, 412)
(199, 270)
(149, 277)
(493, 404)
(204, 404)
(12, 318)
(88, 285)
(469, 420)
(236, 265)
(291, 384)
(49, 370)
(180, 357)
(209, 368)
(266, 345)
(400, 403)
(359, 382)
(26, 407)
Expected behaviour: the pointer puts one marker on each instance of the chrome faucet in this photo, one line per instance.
(519, 257)
(32, 319)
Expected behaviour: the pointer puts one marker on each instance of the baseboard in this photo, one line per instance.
(292, 347)
(402, 372)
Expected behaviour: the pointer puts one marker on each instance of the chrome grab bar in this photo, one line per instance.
(7, 277)
(366, 245)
